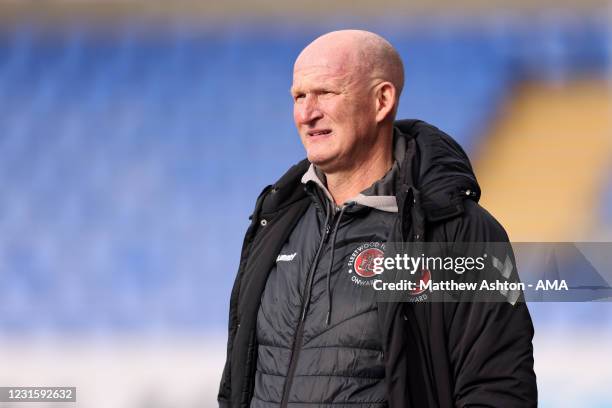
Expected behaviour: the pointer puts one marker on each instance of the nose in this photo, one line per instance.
(306, 110)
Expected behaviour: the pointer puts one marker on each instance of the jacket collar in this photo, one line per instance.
(381, 194)
(437, 169)
(430, 164)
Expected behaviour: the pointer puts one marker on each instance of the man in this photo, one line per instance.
(306, 328)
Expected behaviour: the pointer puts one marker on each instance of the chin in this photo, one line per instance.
(324, 163)
(316, 159)
(320, 154)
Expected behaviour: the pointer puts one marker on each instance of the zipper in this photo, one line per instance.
(299, 333)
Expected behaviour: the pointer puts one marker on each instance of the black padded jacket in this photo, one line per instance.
(451, 354)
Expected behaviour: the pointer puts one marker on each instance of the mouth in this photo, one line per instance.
(318, 132)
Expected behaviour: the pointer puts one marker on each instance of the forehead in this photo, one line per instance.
(318, 73)
(322, 73)
(324, 62)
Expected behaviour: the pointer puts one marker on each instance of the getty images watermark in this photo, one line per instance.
(484, 271)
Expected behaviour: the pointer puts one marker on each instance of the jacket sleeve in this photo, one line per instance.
(224, 396)
(490, 343)
(225, 388)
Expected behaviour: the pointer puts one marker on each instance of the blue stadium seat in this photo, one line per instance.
(130, 161)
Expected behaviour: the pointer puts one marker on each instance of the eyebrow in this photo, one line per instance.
(295, 90)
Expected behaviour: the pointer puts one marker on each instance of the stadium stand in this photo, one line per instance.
(130, 161)
(552, 149)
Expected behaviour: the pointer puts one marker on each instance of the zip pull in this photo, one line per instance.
(337, 215)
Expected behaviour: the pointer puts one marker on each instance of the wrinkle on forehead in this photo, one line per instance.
(357, 54)
(323, 75)
(329, 58)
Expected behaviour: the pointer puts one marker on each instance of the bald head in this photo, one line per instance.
(360, 54)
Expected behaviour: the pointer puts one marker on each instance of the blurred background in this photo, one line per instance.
(136, 135)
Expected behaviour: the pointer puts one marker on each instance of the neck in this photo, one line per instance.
(375, 163)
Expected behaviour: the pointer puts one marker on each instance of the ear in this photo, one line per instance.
(385, 100)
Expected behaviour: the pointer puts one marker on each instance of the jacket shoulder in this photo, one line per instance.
(474, 224)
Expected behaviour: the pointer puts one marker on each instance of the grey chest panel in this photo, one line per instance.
(340, 362)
